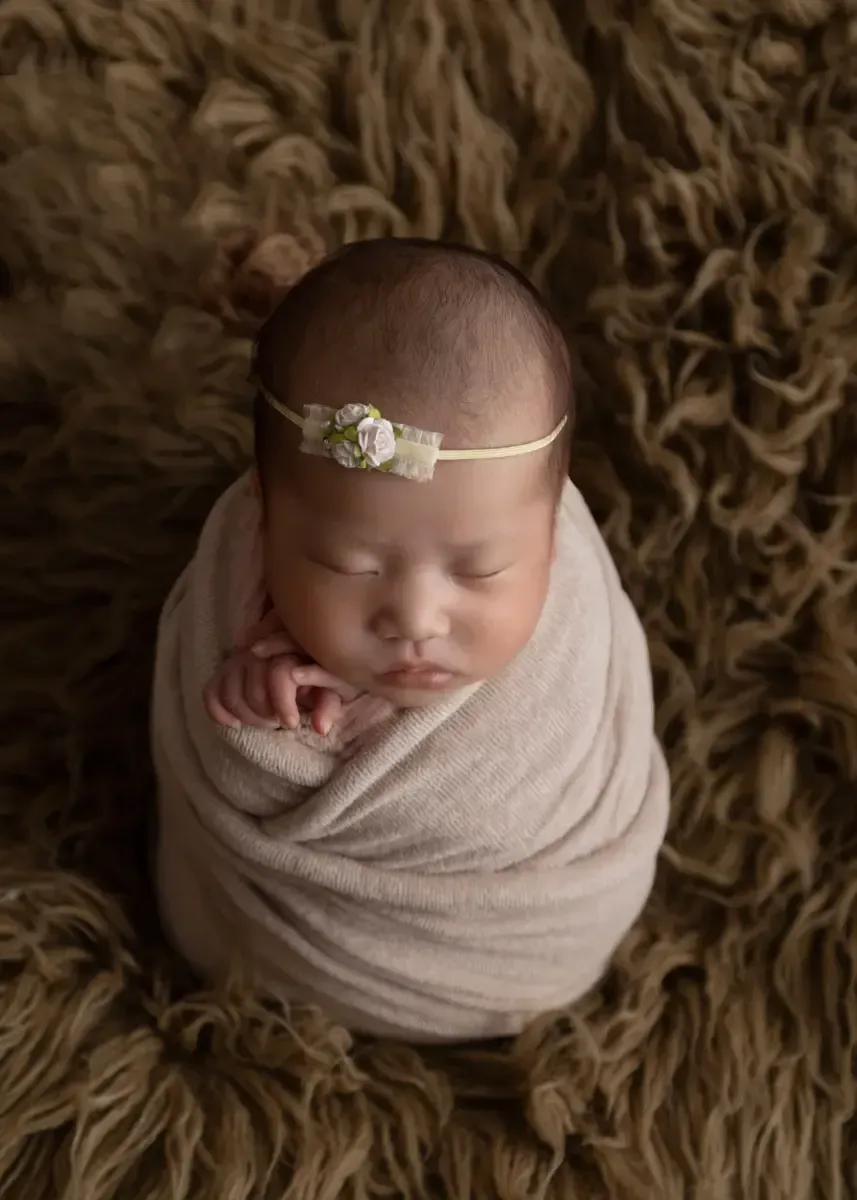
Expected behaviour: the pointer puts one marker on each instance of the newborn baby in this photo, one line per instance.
(402, 719)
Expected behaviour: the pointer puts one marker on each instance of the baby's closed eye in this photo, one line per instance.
(353, 570)
(481, 574)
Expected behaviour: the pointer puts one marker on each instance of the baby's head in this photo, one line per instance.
(378, 576)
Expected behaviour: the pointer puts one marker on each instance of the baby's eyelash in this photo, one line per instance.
(480, 575)
(342, 571)
(465, 576)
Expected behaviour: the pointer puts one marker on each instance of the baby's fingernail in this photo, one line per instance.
(324, 726)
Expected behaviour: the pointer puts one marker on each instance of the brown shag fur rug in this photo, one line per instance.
(681, 176)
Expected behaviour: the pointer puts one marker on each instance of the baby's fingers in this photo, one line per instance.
(283, 691)
(227, 701)
(256, 692)
(274, 645)
(326, 712)
(236, 695)
(214, 705)
(311, 675)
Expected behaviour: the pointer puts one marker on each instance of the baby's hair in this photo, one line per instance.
(440, 324)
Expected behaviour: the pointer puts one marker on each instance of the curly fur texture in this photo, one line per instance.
(682, 179)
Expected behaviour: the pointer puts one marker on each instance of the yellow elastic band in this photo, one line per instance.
(504, 451)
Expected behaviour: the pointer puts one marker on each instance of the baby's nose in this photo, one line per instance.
(413, 614)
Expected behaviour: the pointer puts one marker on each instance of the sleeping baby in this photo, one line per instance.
(402, 715)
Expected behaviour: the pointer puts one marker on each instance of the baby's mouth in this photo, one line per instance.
(421, 677)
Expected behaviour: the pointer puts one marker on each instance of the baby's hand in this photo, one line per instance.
(238, 693)
(268, 680)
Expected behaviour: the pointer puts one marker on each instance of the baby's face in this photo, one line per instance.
(407, 590)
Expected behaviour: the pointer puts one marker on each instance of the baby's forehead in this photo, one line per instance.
(465, 506)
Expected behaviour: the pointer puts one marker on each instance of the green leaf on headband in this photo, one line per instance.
(387, 466)
(374, 413)
(335, 439)
(397, 430)
(350, 434)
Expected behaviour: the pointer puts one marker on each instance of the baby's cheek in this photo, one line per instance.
(327, 623)
(506, 637)
(504, 628)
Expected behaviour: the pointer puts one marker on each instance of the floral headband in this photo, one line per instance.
(357, 435)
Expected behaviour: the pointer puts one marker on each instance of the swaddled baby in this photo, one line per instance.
(403, 716)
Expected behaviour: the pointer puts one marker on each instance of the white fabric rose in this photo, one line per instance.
(344, 453)
(351, 414)
(377, 439)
